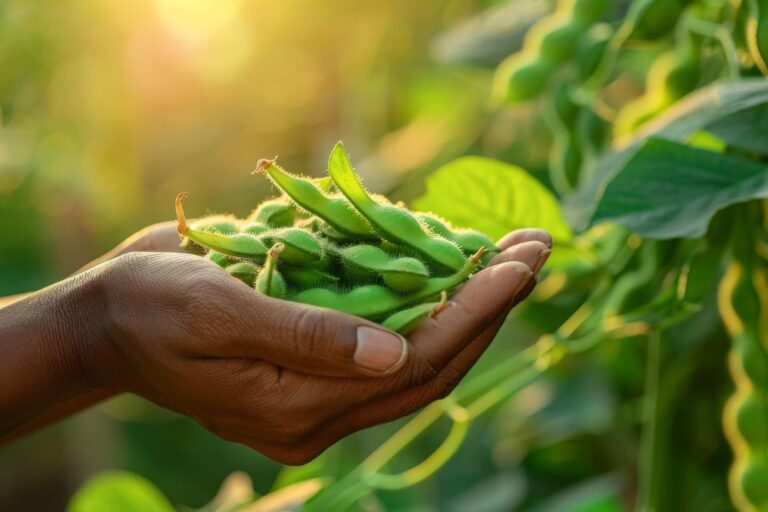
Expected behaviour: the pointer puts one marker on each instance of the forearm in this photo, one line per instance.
(7, 301)
(46, 340)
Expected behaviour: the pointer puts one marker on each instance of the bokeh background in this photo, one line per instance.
(108, 109)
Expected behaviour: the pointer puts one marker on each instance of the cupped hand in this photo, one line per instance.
(284, 378)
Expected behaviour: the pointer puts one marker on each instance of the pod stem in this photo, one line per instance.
(263, 164)
(441, 306)
(181, 227)
(475, 258)
(272, 256)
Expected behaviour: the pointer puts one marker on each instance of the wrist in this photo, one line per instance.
(46, 345)
(77, 338)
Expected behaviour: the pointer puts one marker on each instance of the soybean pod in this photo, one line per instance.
(757, 33)
(469, 240)
(407, 320)
(376, 302)
(269, 281)
(274, 213)
(743, 302)
(220, 259)
(394, 224)
(245, 271)
(336, 211)
(300, 246)
(402, 274)
(240, 245)
(306, 277)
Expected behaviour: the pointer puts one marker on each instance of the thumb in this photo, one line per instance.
(322, 341)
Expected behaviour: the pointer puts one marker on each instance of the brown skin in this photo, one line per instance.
(277, 376)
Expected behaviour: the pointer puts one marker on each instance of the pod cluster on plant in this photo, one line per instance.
(549, 44)
(743, 302)
(329, 242)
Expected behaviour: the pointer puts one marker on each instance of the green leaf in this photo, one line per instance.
(746, 130)
(696, 112)
(492, 197)
(670, 190)
(119, 491)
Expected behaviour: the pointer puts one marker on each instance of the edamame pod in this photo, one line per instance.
(244, 271)
(470, 240)
(275, 213)
(375, 302)
(336, 211)
(220, 259)
(402, 274)
(239, 245)
(407, 320)
(269, 281)
(300, 246)
(306, 277)
(392, 223)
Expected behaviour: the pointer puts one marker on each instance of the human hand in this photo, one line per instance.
(282, 377)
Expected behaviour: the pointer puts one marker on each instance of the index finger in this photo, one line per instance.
(477, 304)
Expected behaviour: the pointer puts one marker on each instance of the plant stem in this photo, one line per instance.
(647, 494)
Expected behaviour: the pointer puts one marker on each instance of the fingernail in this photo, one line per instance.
(379, 350)
(521, 268)
(543, 257)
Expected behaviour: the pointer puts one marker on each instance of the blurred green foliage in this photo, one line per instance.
(109, 109)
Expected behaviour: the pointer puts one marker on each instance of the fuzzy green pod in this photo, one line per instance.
(336, 211)
(269, 280)
(245, 271)
(377, 302)
(392, 223)
(254, 228)
(407, 320)
(224, 224)
(299, 246)
(402, 274)
(306, 277)
(239, 245)
(275, 213)
(220, 259)
(469, 240)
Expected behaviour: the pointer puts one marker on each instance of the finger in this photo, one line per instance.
(524, 235)
(533, 253)
(316, 423)
(311, 340)
(477, 304)
(400, 404)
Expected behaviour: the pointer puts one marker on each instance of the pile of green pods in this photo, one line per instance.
(329, 242)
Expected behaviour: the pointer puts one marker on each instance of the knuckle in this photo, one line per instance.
(420, 370)
(447, 380)
(308, 330)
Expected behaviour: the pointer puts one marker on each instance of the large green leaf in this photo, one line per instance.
(493, 197)
(697, 111)
(119, 491)
(670, 190)
(747, 129)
